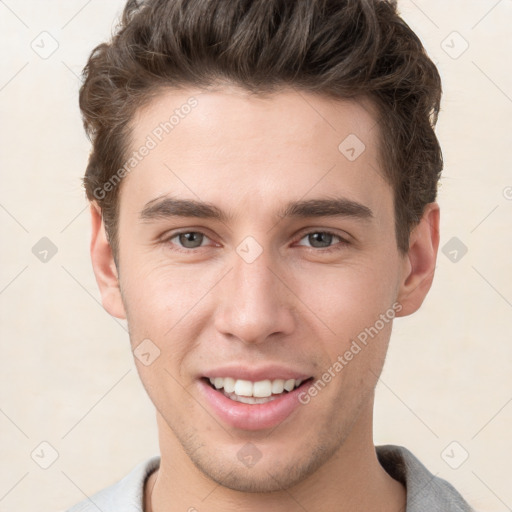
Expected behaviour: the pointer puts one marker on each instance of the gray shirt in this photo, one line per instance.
(425, 492)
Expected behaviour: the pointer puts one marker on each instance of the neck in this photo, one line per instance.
(352, 479)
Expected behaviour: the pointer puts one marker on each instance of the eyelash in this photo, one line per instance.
(336, 247)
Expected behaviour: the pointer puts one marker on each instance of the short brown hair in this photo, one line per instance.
(338, 48)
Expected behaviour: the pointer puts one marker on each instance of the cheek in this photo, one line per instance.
(348, 298)
(163, 322)
(165, 303)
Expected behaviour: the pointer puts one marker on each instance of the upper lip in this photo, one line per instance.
(255, 373)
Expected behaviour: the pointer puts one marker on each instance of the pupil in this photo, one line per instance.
(327, 239)
(189, 240)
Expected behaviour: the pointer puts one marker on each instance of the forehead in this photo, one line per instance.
(229, 147)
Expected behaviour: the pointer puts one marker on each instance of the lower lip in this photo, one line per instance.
(251, 416)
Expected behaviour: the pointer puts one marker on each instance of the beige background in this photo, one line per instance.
(68, 377)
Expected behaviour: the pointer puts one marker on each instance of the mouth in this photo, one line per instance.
(249, 397)
(254, 393)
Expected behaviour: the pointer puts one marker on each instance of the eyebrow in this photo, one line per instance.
(168, 207)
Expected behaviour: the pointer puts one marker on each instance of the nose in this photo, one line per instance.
(254, 302)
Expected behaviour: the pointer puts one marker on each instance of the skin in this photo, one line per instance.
(296, 304)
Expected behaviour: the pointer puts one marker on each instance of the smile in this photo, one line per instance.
(249, 392)
(252, 405)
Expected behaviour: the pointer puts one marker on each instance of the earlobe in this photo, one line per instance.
(420, 261)
(104, 266)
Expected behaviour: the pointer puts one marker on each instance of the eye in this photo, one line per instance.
(322, 239)
(188, 239)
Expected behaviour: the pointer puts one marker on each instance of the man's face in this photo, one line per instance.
(257, 295)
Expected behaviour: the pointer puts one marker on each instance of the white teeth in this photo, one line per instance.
(250, 399)
(289, 384)
(260, 389)
(229, 385)
(243, 388)
(277, 386)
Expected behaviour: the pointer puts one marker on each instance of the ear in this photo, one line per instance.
(104, 266)
(420, 261)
